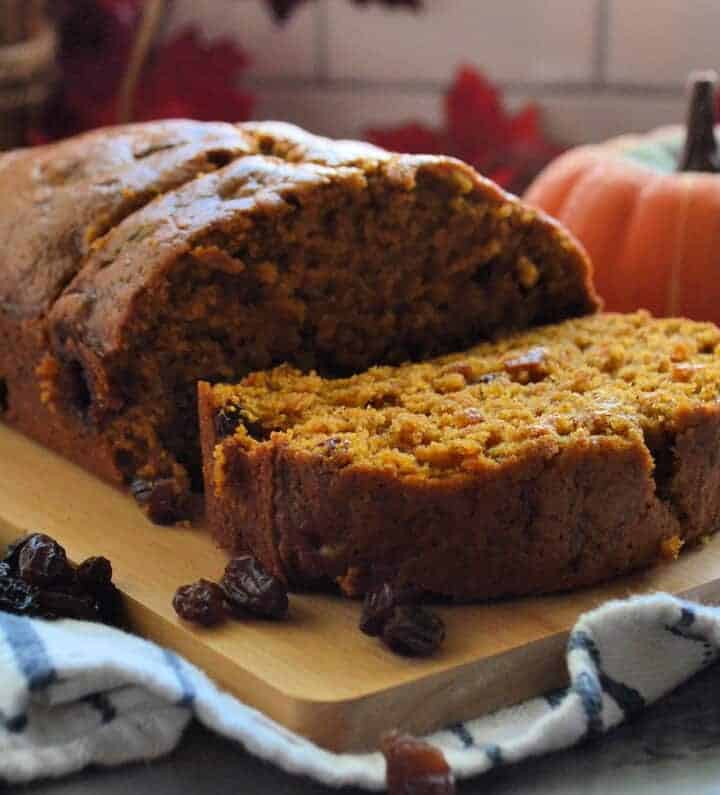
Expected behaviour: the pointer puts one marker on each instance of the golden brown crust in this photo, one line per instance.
(296, 145)
(59, 198)
(95, 309)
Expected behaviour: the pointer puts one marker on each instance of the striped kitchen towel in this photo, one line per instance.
(74, 694)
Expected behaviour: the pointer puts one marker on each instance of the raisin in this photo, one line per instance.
(684, 371)
(4, 402)
(530, 366)
(18, 596)
(110, 605)
(58, 604)
(413, 631)
(69, 585)
(94, 574)
(202, 602)
(473, 415)
(37, 579)
(380, 604)
(464, 369)
(226, 421)
(334, 444)
(414, 767)
(141, 490)
(43, 562)
(382, 400)
(161, 498)
(251, 589)
(75, 386)
(256, 430)
(12, 553)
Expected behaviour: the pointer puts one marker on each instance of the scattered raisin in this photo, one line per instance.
(94, 573)
(110, 605)
(226, 421)
(530, 366)
(413, 631)
(202, 602)
(415, 767)
(58, 604)
(12, 553)
(162, 499)
(4, 402)
(36, 579)
(380, 604)
(43, 562)
(18, 596)
(251, 589)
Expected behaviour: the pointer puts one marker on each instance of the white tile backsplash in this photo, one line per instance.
(596, 67)
(597, 115)
(349, 112)
(515, 40)
(275, 50)
(657, 42)
(345, 112)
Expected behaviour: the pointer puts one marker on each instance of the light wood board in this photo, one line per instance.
(316, 673)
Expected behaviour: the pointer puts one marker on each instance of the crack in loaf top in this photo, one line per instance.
(60, 197)
(138, 252)
(296, 145)
(206, 213)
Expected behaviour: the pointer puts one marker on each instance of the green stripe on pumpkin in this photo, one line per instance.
(657, 155)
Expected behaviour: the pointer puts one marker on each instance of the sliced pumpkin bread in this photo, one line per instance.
(554, 458)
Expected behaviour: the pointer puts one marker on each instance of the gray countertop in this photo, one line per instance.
(673, 747)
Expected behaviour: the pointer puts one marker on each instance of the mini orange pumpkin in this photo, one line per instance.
(647, 208)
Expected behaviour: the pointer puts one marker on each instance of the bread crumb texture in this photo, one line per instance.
(613, 376)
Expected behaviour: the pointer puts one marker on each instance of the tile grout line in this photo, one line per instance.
(602, 42)
(320, 43)
(563, 89)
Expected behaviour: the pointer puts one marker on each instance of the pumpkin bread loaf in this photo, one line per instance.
(59, 202)
(137, 260)
(554, 458)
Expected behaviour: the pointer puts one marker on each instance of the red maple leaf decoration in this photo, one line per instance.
(510, 149)
(191, 78)
(184, 77)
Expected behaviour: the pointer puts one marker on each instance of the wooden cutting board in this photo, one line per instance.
(316, 673)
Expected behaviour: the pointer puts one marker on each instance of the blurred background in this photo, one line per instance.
(504, 85)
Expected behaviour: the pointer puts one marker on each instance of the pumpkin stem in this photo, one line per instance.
(701, 149)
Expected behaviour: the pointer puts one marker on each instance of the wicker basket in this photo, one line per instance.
(27, 66)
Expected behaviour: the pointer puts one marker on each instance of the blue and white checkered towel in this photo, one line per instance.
(73, 694)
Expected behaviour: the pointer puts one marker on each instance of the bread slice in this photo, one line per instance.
(58, 202)
(139, 260)
(554, 458)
